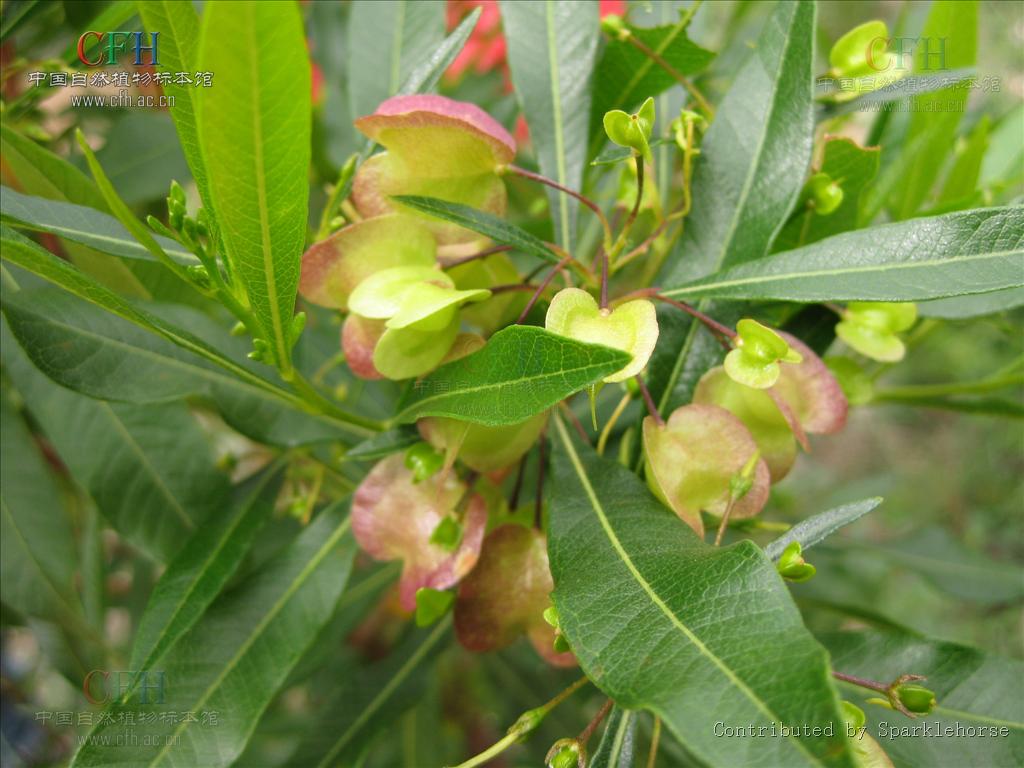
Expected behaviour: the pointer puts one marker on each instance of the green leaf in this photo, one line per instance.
(626, 76)
(974, 690)
(204, 566)
(384, 444)
(485, 223)
(38, 552)
(148, 468)
(616, 154)
(427, 74)
(369, 700)
(83, 225)
(266, 398)
(752, 166)
(254, 130)
(952, 567)
(142, 155)
(973, 305)
(935, 116)
(552, 46)
(962, 181)
(39, 170)
(661, 621)
(615, 750)
(959, 253)
(819, 527)
(853, 168)
(177, 24)
(522, 371)
(236, 657)
(387, 44)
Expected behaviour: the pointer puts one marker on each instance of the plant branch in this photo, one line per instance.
(474, 256)
(652, 755)
(716, 327)
(654, 56)
(587, 732)
(540, 288)
(526, 723)
(652, 409)
(602, 441)
(572, 193)
(620, 243)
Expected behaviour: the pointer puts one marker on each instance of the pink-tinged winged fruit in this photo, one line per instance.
(436, 147)
(693, 458)
(806, 399)
(507, 593)
(631, 327)
(759, 350)
(332, 268)
(359, 337)
(871, 328)
(394, 518)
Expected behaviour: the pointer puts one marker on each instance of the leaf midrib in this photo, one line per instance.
(756, 279)
(560, 373)
(404, 671)
(670, 385)
(613, 539)
(556, 104)
(276, 608)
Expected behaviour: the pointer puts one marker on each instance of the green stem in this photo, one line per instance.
(526, 723)
(335, 199)
(914, 392)
(620, 243)
(320, 404)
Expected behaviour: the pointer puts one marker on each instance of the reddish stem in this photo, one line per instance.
(473, 256)
(715, 326)
(572, 193)
(652, 409)
(540, 288)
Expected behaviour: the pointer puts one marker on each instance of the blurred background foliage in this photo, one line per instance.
(943, 555)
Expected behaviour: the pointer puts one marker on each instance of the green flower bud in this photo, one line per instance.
(175, 215)
(431, 605)
(759, 350)
(447, 534)
(298, 324)
(916, 698)
(634, 130)
(614, 26)
(551, 616)
(199, 276)
(679, 128)
(238, 329)
(823, 193)
(202, 223)
(177, 194)
(260, 351)
(561, 645)
(871, 328)
(861, 51)
(791, 565)
(567, 753)
(423, 460)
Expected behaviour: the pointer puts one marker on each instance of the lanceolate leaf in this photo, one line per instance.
(384, 444)
(30, 256)
(752, 165)
(973, 305)
(39, 170)
(388, 43)
(973, 689)
(38, 553)
(814, 529)
(935, 116)
(615, 749)
(522, 371)
(235, 658)
(661, 621)
(959, 253)
(83, 225)
(149, 468)
(552, 46)
(177, 24)
(428, 72)
(254, 130)
(497, 229)
(370, 700)
(196, 576)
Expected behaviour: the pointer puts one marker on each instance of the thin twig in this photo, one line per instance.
(725, 520)
(540, 288)
(576, 423)
(678, 76)
(602, 441)
(587, 732)
(513, 500)
(572, 193)
(652, 409)
(716, 327)
(652, 755)
(474, 256)
(538, 508)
